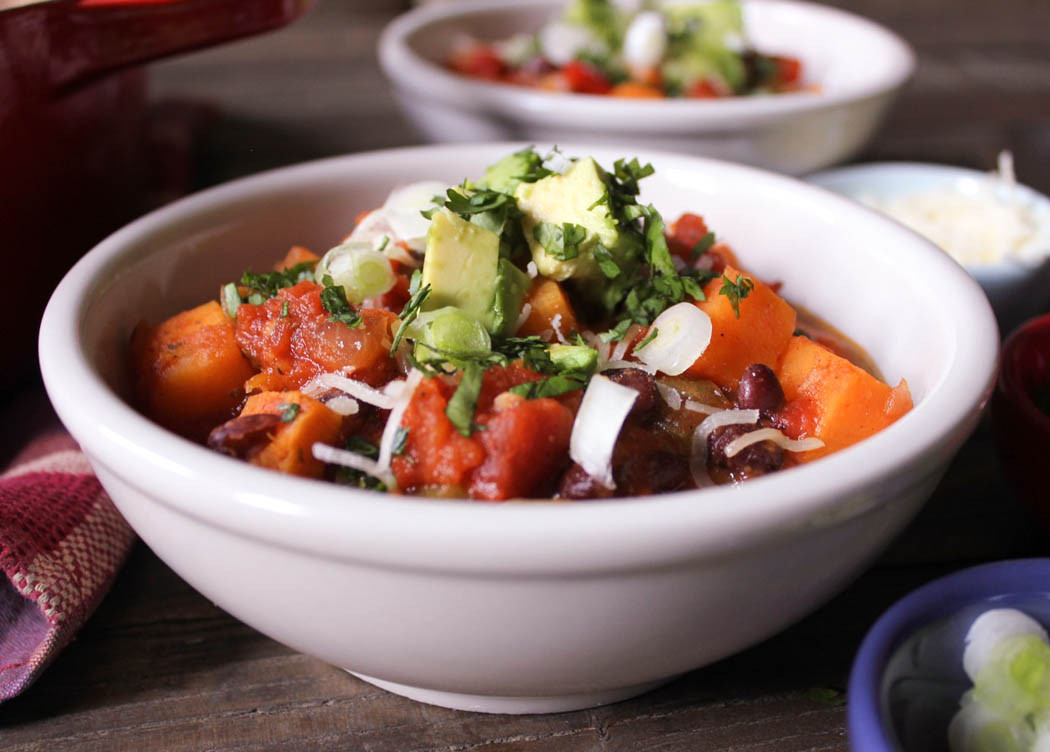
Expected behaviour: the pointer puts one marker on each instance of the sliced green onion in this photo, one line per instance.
(362, 271)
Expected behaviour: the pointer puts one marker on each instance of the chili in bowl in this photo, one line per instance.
(519, 606)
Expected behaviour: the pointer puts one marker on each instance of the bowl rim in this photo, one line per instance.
(1010, 384)
(424, 78)
(868, 731)
(462, 534)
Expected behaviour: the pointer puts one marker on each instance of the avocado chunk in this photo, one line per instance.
(574, 357)
(565, 217)
(464, 270)
(505, 175)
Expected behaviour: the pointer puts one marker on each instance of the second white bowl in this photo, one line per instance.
(858, 66)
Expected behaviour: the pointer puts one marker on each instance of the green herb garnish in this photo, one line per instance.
(736, 291)
(703, 245)
(411, 310)
(461, 407)
(288, 411)
(266, 285)
(551, 386)
(563, 243)
(648, 338)
(333, 300)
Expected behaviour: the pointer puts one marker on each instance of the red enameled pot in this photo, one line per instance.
(1022, 425)
(72, 115)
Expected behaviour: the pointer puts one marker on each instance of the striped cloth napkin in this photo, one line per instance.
(62, 543)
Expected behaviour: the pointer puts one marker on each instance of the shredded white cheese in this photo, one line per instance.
(356, 389)
(670, 395)
(976, 222)
(334, 456)
(526, 310)
(393, 421)
(698, 455)
(740, 443)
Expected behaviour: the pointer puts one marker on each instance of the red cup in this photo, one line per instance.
(1022, 427)
(72, 116)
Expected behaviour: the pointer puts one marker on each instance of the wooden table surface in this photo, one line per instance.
(159, 667)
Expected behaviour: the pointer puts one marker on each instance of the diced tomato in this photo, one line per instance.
(526, 444)
(789, 70)
(523, 442)
(584, 78)
(395, 298)
(685, 233)
(292, 337)
(479, 61)
(435, 453)
(704, 89)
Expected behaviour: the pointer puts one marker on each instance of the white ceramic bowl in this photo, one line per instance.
(1018, 288)
(521, 607)
(859, 66)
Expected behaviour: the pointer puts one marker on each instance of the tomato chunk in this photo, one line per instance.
(479, 61)
(584, 78)
(292, 337)
(526, 444)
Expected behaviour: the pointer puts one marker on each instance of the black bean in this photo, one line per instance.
(653, 473)
(577, 484)
(244, 436)
(643, 383)
(760, 390)
(757, 459)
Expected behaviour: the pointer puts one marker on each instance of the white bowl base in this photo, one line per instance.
(512, 705)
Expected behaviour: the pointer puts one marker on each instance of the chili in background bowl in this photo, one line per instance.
(858, 66)
(522, 607)
(1021, 414)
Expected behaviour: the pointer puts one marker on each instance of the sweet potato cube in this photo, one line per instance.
(290, 448)
(189, 370)
(297, 254)
(548, 300)
(759, 334)
(828, 397)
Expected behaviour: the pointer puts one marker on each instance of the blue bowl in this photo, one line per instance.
(907, 678)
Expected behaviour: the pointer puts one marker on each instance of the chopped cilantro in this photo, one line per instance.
(288, 411)
(266, 285)
(551, 386)
(736, 291)
(703, 245)
(333, 300)
(411, 310)
(563, 243)
(351, 477)
(284, 309)
(460, 408)
(400, 440)
(606, 263)
(476, 203)
(648, 338)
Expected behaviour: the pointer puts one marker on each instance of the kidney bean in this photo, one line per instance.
(653, 473)
(641, 382)
(757, 459)
(244, 436)
(760, 390)
(577, 484)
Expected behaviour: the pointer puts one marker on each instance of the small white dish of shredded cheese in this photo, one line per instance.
(996, 228)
